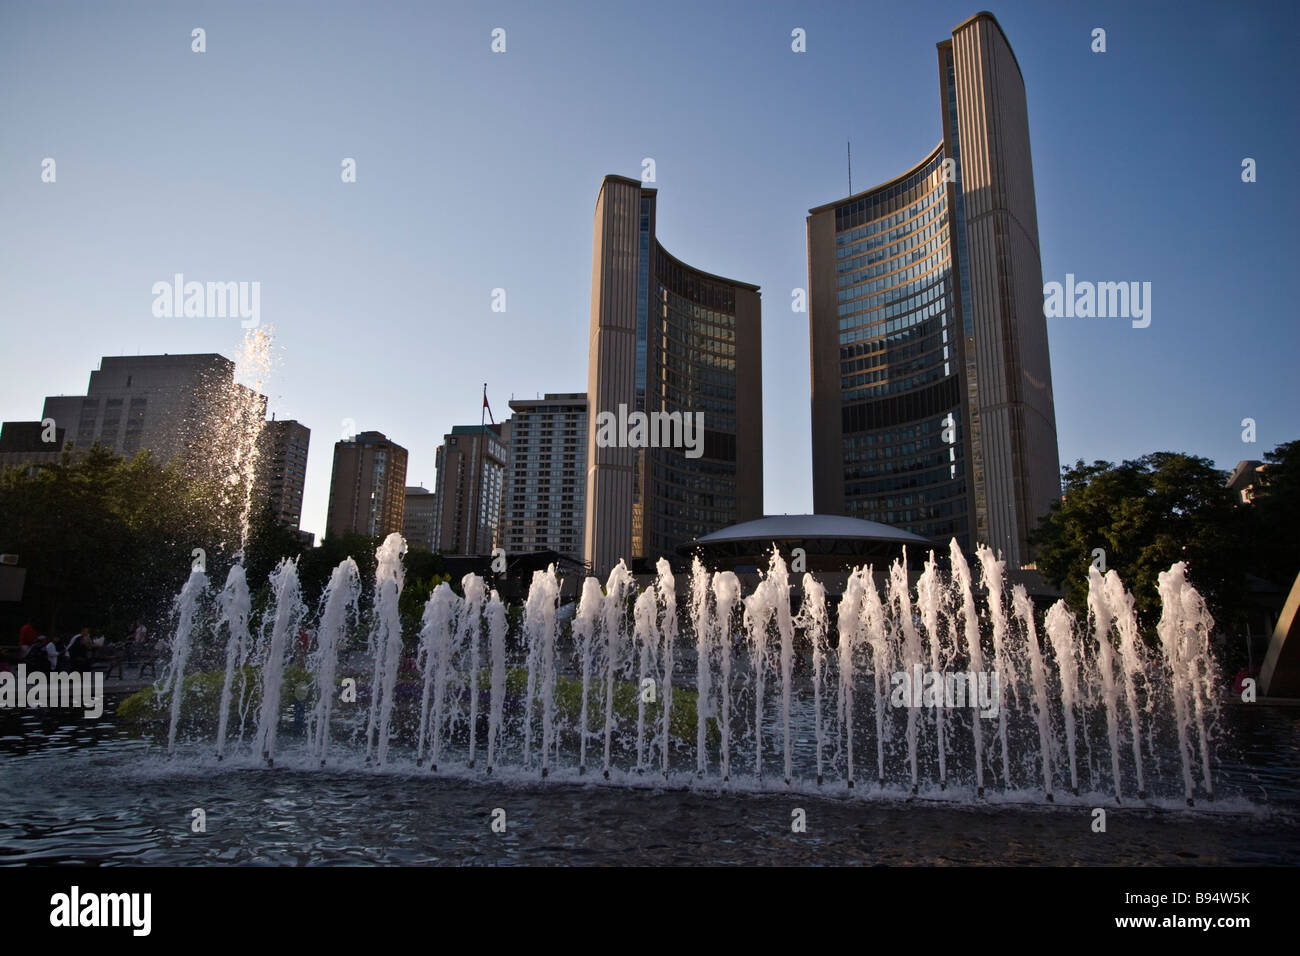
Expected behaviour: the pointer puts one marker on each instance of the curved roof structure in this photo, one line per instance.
(829, 540)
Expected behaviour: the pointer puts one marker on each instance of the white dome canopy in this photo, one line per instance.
(786, 527)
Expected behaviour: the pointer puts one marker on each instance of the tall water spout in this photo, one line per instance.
(585, 622)
(992, 570)
(971, 631)
(1132, 664)
(849, 626)
(646, 636)
(539, 625)
(759, 608)
(616, 590)
(1060, 631)
(701, 621)
(1100, 612)
(289, 612)
(339, 610)
(1184, 630)
(187, 608)
(813, 621)
(437, 630)
(1024, 611)
(908, 652)
(666, 586)
(726, 593)
(929, 602)
(475, 591)
(386, 641)
(876, 634)
(496, 618)
(236, 605)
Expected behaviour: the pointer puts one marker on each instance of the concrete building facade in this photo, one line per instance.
(176, 406)
(472, 464)
(282, 468)
(666, 339)
(418, 518)
(932, 403)
(367, 487)
(547, 488)
(25, 444)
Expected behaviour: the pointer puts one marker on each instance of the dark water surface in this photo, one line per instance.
(83, 793)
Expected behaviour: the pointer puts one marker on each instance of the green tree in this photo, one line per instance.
(105, 541)
(1146, 514)
(1275, 556)
(269, 542)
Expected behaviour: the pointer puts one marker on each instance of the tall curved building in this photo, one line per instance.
(931, 387)
(680, 346)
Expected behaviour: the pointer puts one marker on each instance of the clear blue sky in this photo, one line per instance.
(479, 170)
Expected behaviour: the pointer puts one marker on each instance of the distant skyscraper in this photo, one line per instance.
(472, 463)
(666, 339)
(418, 519)
(282, 469)
(547, 475)
(367, 487)
(931, 388)
(172, 405)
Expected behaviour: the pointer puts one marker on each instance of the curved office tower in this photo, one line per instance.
(672, 349)
(931, 388)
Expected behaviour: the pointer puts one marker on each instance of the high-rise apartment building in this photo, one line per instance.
(472, 462)
(547, 475)
(682, 348)
(931, 387)
(367, 487)
(282, 468)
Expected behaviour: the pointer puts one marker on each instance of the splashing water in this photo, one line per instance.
(971, 631)
(1184, 630)
(759, 608)
(812, 621)
(1024, 611)
(1060, 631)
(437, 626)
(339, 604)
(992, 570)
(628, 636)
(702, 622)
(186, 609)
(666, 586)
(475, 591)
(726, 592)
(585, 623)
(645, 637)
(616, 591)
(496, 618)
(283, 625)
(236, 606)
(386, 646)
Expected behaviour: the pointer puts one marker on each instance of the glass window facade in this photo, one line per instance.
(903, 435)
(694, 361)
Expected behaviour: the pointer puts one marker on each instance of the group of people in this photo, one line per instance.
(77, 652)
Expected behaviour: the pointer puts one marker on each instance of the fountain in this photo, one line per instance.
(622, 661)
